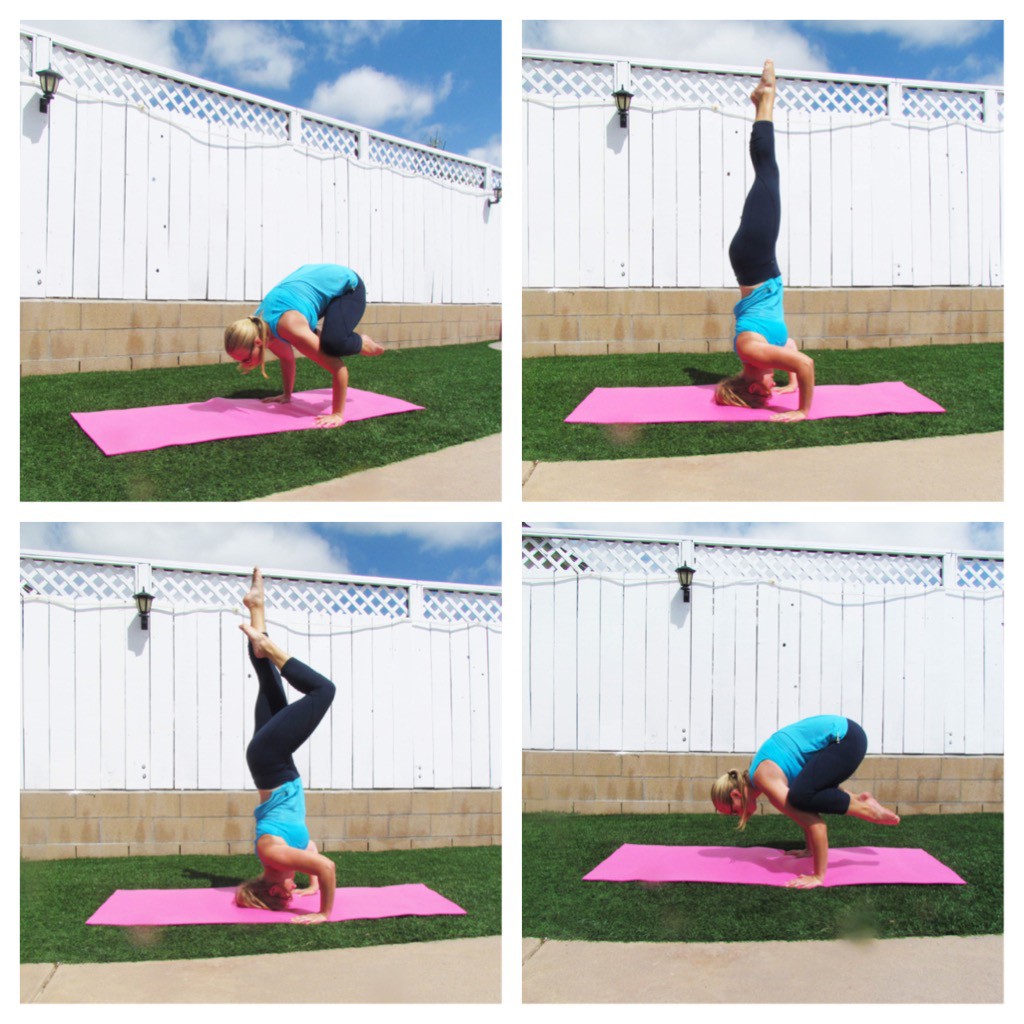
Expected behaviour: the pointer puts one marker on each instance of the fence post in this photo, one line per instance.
(294, 127)
(417, 611)
(364, 146)
(143, 576)
(895, 101)
(991, 107)
(42, 53)
(950, 572)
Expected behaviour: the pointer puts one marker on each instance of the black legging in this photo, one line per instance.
(752, 250)
(338, 332)
(281, 728)
(816, 788)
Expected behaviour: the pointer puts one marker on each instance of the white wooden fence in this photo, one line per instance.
(108, 706)
(909, 645)
(884, 183)
(142, 183)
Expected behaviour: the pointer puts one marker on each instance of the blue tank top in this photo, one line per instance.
(283, 814)
(761, 311)
(790, 747)
(308, 291)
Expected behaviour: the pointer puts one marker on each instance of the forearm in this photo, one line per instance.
(339, 384)
(326, 878)
(817, 845)
(805, 382)
(288, 376)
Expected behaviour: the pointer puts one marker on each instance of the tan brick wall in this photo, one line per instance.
(67, 336)
(601, 321)
(591, 782)
(67, 825)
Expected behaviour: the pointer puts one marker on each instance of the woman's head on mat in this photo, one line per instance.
(246, 342)
(732, 793)
(270, 891)
(750, 389)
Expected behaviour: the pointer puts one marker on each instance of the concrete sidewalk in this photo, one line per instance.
(452, 971)
(940, 970)
(464, 472)
(965, 467)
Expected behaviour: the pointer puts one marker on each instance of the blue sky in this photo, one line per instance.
(433, 552)
(947, 51)
(414, 79)
(886, 536)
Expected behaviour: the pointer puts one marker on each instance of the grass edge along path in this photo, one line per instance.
(559, 849)
(459, 387)
(58, 897)
(967, 380)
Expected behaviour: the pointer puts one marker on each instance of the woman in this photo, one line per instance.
(761, 339)
(286, 320)
(282, 838)
(799, 769)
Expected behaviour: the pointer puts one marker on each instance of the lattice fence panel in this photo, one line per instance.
(306, 596)
(428, 162)
(678, 86)
(567, 78)
(813, 97)
(85, 73)
(943, 105)
(330, 137)
(980, 573)
(495, 179)
(559, 554)
(461, 606)
(77, 580)
(25, 54)
(723, 563)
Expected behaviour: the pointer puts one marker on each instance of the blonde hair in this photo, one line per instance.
(736, 391)
(721, 793)
(240, 338)
(255, 894)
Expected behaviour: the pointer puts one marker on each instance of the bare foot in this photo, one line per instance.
(765, 87)
(254, 599)
(255, 603)
(371, 347)
(257, 639)
(867, 808)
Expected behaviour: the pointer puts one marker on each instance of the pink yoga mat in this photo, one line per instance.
(695, 404)
(761, 865)
(117, 431)
(138, 907)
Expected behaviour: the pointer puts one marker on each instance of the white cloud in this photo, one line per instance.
(253, 52)
(886, 536)
(434, 536)
(277, 545)
(744, 43)
(489, 152)
(349, 34)
(374, 98)
(915, 34)
(151, 42)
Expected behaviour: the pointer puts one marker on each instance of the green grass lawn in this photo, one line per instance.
(967, 380)
(559, 849)
(57, 897)
(458, 385)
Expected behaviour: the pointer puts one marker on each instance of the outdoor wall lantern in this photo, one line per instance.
(48, 81)
(497, 196)
(685, 574)
(622, 99)
(144, 602)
